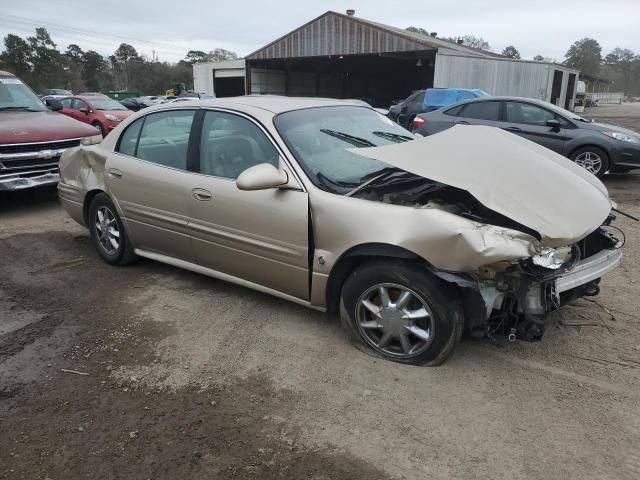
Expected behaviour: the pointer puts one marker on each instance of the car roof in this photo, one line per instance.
(502, 98)
(272, 103)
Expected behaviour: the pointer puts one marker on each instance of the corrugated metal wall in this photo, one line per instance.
(203, 78)
(336, 35)
(496, 77)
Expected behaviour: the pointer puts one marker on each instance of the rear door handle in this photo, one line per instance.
(201, 194)
(462, 122)
(514, 129)
(115, 173)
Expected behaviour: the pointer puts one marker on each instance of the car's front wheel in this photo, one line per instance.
(592, 159)
(401, 312)
(108, 233)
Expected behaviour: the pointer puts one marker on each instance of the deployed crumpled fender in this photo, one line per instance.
(81, 170)
(515, 177)
(445, 240)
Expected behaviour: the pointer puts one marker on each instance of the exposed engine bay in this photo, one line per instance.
(510, 298)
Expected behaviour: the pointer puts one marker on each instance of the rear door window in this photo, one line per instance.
(482, 111)
(164, 138)
(129, 139)
(161, 138)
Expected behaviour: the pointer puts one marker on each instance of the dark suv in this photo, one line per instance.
(595, 146)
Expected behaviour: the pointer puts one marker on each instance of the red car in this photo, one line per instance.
(102, 112)
(32, 137)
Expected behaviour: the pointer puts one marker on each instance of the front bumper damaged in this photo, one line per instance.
(29, 179)
(588, 270)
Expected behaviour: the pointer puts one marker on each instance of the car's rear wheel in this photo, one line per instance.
(99, 126)
(108, 233)
(592, 159)
(401, 312)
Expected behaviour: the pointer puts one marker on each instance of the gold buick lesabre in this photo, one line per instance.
(330, 205)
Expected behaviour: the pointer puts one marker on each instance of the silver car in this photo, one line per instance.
(333, 206)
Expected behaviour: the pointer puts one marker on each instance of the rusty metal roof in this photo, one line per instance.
(333, 33)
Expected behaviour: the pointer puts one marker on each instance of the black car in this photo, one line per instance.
(405, 111)
(135, 103)
(597, 147)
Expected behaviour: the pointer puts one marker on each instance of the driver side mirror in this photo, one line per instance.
(261, 177)
(84, 110)
(554, 124)
(53, 104)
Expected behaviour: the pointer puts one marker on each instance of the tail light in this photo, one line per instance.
(418, 122)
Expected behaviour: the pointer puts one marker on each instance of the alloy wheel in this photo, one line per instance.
(395, 320)
(107, 230)
(590, 161)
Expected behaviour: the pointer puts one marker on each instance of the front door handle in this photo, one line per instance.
(201, 194)
(514, 129)
(462, 122)
(115, 173)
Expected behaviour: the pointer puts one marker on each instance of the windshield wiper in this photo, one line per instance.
(372, 178)
(353, 140)
(394, 137)
(329, 183)
(28, 109)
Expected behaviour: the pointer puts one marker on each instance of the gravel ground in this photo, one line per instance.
(182, 376)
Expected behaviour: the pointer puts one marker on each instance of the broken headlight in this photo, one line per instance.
(552, 258)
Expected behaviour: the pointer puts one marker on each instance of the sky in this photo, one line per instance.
(169, 28)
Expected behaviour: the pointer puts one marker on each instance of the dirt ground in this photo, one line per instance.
(179, 376)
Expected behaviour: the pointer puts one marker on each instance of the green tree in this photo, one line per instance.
(539, 58)
(16, 56)
(220, 54)
(121, 60)
(95, 72)
(47, 62)
(511, 52)
(626, 64)
(471, 41)
(196, 56)
(584, 55)
(419, 30)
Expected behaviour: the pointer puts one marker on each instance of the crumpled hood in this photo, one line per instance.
(523, 181)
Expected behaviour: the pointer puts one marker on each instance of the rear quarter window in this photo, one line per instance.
(453, 112)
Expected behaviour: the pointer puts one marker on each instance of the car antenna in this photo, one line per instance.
(625, 214)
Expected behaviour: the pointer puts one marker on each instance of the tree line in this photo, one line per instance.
(621, 65)
(38, 61)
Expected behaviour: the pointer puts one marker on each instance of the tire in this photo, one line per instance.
(103, 217)
(99, 126)
(592, 159)
(429, 339)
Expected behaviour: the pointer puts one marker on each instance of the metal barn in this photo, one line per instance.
(344, 56)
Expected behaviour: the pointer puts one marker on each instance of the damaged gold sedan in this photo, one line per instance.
(331, 205)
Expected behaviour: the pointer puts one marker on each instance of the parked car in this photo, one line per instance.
(597, 147)
(56, 93)
(136, 103)
(411, 252)
(405, 111)
(430, 99)
(105, 114)
(92, 94)
(32, 137)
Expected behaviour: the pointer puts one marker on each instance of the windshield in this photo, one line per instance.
(321, 137)
(107, 104)
(15, 95)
